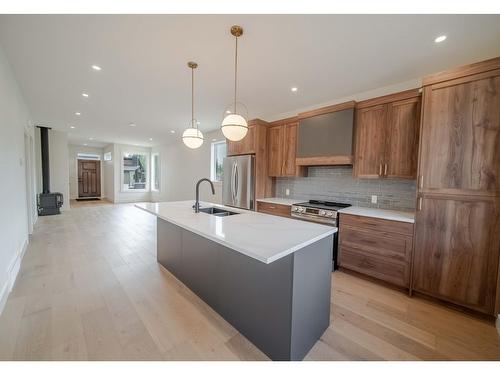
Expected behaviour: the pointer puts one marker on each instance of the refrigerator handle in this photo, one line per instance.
(236, 176)
(232, 182)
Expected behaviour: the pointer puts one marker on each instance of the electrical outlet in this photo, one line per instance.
(374, 199)
(287, 191)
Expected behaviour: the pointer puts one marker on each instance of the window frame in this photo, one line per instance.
(108, 156)
(213, 173)
(87, 156)
(153, 174)
(122, 170)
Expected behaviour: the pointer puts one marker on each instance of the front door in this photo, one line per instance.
(89, 178)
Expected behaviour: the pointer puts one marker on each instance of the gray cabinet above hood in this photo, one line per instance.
(325, 136)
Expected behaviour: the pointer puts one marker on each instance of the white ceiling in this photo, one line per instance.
(145, 80)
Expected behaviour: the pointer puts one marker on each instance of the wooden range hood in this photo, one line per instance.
(325, 136)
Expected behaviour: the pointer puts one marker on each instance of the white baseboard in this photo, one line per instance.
(12, 272)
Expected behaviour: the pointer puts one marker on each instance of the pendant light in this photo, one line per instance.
(192, 136)
(234, 126)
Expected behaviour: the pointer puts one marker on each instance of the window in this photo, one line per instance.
(219, 152)
(134, 171)
(155, 172)
(84, 156)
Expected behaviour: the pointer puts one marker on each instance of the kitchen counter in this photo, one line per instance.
(283, 201)
(254, 270)
(405, 216)
(266, 238)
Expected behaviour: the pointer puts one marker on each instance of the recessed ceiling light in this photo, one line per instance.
(85, 144)
(77, 113)
(96, 67)
(150, 139)
(228, 111)
(71, 127)
(294, 89)
(85, 95)
(172, 131)
(132, 125)
(440, 39)
(91, 139)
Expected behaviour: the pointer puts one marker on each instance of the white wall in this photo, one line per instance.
(14, 122)
(380, 91)
(128, 196)
(74, 150)
(182, 167)
(108, 174)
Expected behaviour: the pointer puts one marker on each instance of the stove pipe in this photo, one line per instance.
(44, 144)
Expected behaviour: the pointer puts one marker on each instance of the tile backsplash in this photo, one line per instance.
(337, 184)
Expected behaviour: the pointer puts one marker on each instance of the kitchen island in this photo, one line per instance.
(268, 276)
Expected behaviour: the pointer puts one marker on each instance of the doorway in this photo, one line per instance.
(89, 178)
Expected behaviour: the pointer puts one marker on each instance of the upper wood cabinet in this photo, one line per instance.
(403, 126)
(370, 141)
(245, 146)
(274, 156)
(386, 136)
(282, 146)
(461, 135)
(289, 149)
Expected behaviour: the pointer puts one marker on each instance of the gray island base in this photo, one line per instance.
(282, 307)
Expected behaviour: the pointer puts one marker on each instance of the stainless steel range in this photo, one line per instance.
(322, 212)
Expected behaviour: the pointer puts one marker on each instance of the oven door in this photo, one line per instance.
(324, 221)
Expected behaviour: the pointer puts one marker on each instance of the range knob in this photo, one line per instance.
(322, 212)
(329, 214)
(295, 209)
(302, 209)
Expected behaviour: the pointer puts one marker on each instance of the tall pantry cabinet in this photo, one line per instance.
(457, 230)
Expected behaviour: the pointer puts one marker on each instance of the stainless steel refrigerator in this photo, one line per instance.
(238, 186)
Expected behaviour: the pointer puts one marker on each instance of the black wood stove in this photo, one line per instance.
(48, 203)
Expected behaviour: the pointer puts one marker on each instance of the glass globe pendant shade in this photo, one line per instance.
(192, 138)
(234, 127)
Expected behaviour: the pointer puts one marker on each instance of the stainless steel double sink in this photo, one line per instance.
(217, 211)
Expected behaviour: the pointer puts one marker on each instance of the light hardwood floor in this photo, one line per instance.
(90, 288)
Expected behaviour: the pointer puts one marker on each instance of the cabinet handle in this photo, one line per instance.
(420, 203)
(421, 182)
(380, 169)
(385, 169)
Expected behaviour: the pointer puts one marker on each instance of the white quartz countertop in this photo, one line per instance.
(263, 237)
(283, 201)
(406, 216)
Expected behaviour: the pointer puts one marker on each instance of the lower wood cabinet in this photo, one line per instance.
(376, 247)
(457, 250)
(274, 209)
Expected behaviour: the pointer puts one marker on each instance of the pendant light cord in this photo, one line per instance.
(192, 98)
(235, 73)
